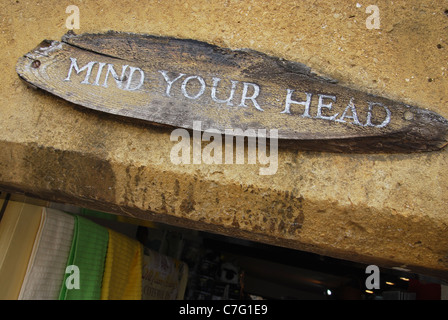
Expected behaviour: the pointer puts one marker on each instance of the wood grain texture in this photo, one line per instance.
(178, 82)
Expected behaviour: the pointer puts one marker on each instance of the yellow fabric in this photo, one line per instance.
(122, 279)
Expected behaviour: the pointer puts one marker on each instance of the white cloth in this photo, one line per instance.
(46, 267)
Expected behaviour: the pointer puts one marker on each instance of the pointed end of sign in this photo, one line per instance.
(68, 35)
(430, 130)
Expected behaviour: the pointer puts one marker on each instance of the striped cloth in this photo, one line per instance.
(88, 253)
(122, 278)
(46, 267)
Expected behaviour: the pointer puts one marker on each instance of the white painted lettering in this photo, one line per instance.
(193, 87)
(118, 80)
(98, 75)
(169, 82)
(306, 104)
(328, 106)
(74, 65)
(228, 101)
(201, 90)
(369, 115)
(256, 92)
(139, 82)
(351, 106)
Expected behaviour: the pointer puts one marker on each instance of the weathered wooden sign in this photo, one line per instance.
(176, 82)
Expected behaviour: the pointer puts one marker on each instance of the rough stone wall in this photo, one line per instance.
(384, 209)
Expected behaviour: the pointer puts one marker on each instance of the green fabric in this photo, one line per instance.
(98, 214)
(88, 253)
